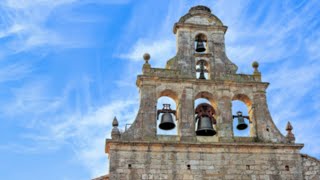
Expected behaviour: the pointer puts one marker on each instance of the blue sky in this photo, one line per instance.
(67, 67)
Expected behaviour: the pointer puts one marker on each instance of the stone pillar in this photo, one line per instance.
(186, 129)
(224, 121)
(259, 113)
(185, 50)
(147, 123)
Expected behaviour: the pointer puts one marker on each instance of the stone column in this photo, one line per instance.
(186, 129)
(185, 51)
(147, 114)
(224, 121)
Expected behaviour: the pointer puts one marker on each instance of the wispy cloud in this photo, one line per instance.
(87, 132)
(26, 21)
(254, 33)
(14, 72)
(52, 123)
(160, 50)
(25, 25)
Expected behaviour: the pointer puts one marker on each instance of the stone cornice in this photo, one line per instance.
(202, 145)
(199, 27)
(154, 79)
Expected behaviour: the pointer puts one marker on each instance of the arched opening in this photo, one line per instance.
(242, 116)
(203, 97)
(166, 116)
(200, 43)
(205, 117)
(202, 69)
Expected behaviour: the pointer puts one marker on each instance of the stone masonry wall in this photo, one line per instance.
(205, 161)
(311, 168)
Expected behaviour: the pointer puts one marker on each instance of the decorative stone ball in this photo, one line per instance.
(146, 56)
(255, 64)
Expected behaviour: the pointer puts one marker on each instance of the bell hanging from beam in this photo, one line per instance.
(202, 70)
(167, 122)
(205, 120)
(205, 127)
(241, 123)
(200, 46)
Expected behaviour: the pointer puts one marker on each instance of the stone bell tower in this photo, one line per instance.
(205, 146)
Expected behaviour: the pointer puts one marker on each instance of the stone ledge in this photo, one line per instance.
(228, 80)
(204, 145)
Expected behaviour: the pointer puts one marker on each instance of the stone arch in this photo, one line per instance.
(165, 97)
(205, 99)
(170, 93)
(208, 96)
(248, 102)
(244, 98)
(201, 36)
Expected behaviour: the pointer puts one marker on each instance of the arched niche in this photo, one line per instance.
(205, 98)
(202, 69)
(167, 97)
(169, 93)
(242, 103)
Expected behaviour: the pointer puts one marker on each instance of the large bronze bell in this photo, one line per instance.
(205, 127)
(200, 46)
(167, 122)
(241, 123)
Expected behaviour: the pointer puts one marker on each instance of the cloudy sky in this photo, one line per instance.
(67, 67)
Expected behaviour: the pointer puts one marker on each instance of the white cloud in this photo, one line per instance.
(26, 23)
(53, 124)
(87, 132)
(160, 51)
(14, 72)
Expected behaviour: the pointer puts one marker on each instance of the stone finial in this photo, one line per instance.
(256, 72)
(115, 122)
(255, 65)
(146, 67)
(146, 57)
(290, 136)
(115, 133)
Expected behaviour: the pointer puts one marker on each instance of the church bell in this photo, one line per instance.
(200, 46)
(241, 124)
(167, 122)
(205, 127)
(205, 120)
(202, 70)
